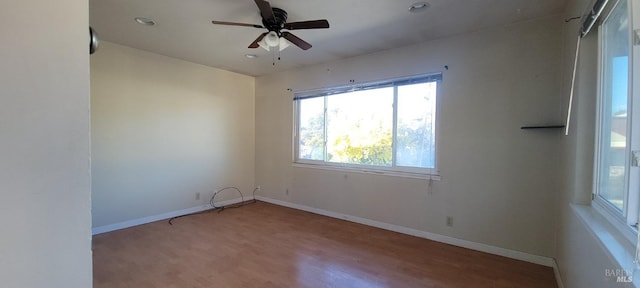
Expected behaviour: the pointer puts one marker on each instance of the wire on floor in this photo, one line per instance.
(220, 208)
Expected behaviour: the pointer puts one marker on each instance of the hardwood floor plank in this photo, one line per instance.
(263, 245)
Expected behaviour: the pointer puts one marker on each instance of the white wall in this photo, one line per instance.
(163, 130)
(581, 258)
(499, 183)
(44, 144)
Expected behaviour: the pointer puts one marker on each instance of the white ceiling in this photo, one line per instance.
(184, 28)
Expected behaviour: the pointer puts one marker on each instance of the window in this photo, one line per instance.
(388, 125)
(613, 155)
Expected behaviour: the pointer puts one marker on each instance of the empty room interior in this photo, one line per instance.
(364, 143)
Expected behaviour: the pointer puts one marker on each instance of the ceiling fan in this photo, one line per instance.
(275, 20)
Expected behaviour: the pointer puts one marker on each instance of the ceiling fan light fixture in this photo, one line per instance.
(419, 7)
(283, 43)
(272, 39)
(263, 44)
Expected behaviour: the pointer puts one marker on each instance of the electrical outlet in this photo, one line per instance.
(259, 188)
(198, 196)
(449, 221)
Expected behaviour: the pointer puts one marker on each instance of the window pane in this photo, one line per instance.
(360, 126)
(416, 125)
(613, 140)
(311, 129)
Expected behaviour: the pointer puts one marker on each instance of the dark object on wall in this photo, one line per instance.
(559, 126)
(93, 41)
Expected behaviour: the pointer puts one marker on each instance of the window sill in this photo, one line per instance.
(614, 220)
(614, 242)
(370, 171)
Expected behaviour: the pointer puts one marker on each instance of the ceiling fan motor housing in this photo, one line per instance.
(280, 17)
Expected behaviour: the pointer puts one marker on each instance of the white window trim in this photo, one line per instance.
(613, 217)
(400, 171)
(615, 243)
(620, 221)
(603, 204)
(372, 171)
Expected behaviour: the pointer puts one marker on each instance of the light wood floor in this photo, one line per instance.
(263, 245)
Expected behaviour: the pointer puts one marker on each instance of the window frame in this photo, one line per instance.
(414, 172)
(627, 217)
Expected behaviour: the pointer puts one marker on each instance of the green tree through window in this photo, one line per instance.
(388, 125)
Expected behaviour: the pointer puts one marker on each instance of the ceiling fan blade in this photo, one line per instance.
(236, 24)
(296, 41)
(255, 43)
(265, 10)
(313, 24)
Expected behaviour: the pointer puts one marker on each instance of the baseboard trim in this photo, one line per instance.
(536, 259)
(163, 216)
(556, 272)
